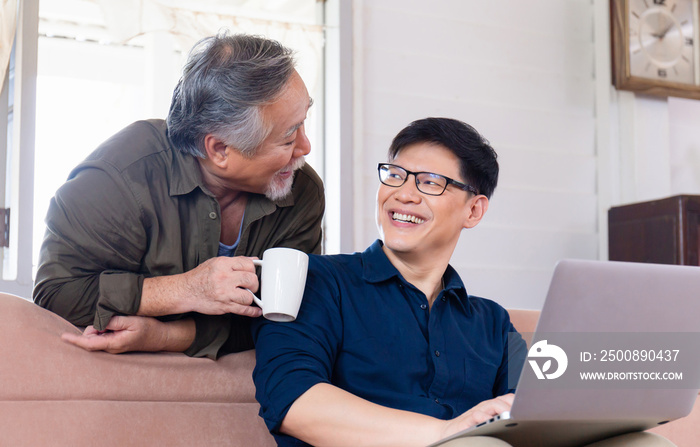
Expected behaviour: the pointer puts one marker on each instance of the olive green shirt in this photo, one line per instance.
(138, 208)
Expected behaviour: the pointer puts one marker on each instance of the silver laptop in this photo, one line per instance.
(627, 329)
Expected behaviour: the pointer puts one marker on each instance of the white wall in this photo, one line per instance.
(684, 142)
(523, 74)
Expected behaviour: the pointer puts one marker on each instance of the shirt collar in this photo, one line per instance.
(184, 174)
(455, 287)
(454, 283)
(259, 205)
(378, 268)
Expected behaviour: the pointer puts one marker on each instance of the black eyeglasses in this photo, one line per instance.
(427, 182)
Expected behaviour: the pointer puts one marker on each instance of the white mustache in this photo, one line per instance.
(294, 165)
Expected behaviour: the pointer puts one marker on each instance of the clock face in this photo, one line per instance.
(661, 40)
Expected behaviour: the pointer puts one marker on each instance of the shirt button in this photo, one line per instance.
(437, 353)
(212, 215)
(444, 299)
(423, 306)
(437, 401)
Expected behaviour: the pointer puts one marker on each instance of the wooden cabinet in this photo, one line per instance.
(665, 231)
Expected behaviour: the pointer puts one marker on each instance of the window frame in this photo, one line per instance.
(20, 280)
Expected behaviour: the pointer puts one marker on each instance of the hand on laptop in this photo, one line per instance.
(478, 414)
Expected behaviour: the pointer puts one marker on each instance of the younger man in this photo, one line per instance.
(388, 347)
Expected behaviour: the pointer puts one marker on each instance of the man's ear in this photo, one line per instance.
(217, 151)
(477, 207)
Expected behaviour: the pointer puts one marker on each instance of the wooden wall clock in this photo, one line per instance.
(655, 46)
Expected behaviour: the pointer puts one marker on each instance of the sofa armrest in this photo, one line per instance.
(41, 366)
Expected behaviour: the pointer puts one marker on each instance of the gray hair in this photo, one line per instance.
(225, 83)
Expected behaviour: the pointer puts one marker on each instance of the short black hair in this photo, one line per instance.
(479, 167)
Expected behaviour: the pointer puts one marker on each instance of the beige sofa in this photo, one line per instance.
(54, 394)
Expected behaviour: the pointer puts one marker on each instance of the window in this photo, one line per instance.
(102, 65)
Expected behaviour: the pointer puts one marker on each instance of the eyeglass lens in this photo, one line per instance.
(427, 182)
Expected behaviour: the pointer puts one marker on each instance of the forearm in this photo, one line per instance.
(178, 335)
(218, 286)
(327, 415)
(165, 295)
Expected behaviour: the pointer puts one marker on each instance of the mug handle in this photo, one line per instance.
(257, 300)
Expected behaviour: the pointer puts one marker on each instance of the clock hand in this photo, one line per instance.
(663, 33)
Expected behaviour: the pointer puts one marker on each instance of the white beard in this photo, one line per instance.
(279, 188)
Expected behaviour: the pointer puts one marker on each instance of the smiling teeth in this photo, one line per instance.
(407, 218)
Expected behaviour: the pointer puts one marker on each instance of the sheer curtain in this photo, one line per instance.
(130, 19)
(8, 25)
(291, 22)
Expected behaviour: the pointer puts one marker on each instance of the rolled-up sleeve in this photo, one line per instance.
(90, 259)
(293, 357)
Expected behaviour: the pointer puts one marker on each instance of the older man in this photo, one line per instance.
(160, 221)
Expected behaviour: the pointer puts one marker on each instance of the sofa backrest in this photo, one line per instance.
(524, 320)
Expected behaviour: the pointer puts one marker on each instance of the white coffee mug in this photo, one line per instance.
(283, 278)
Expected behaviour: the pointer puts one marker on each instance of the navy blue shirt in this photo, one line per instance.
(363, 328)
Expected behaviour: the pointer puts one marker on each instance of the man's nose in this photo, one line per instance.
(408, 192)
(303, 146)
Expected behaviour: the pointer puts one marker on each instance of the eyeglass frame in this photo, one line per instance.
(449, 181)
